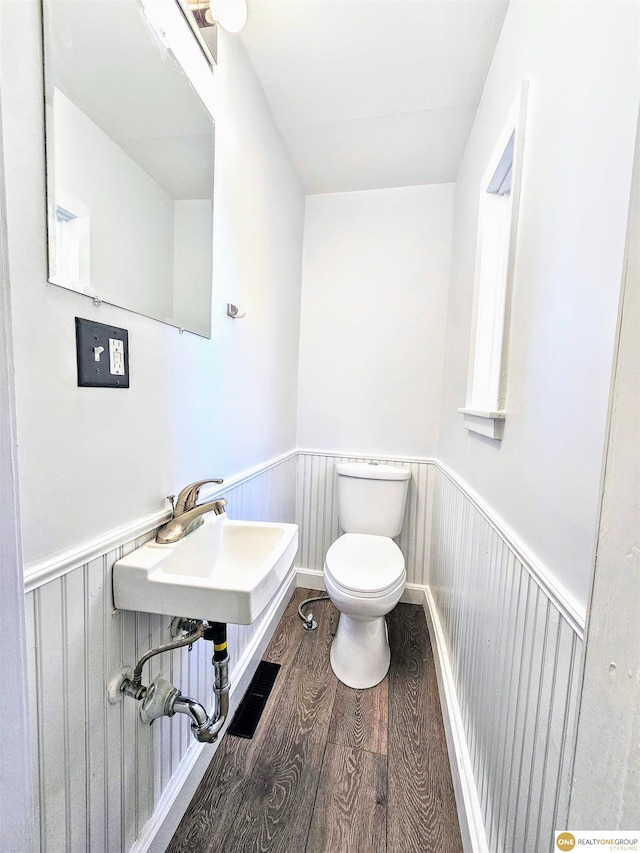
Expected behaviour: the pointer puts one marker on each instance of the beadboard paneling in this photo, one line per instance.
(513, 643)
(317, 510)
(514, 653)
(99, 773)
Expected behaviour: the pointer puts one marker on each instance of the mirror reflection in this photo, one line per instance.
(129, 165)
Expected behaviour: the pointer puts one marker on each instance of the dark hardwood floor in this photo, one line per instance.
(330, 768)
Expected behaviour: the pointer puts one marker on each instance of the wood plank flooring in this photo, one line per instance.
(331, 769)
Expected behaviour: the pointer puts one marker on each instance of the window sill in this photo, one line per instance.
(489, 424)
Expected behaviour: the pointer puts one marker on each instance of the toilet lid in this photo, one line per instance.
(365, 564)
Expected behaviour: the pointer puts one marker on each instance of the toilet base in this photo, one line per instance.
(360, 654)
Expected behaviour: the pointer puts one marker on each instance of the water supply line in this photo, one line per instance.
(308, 622)
(162, 699)
(133, 686)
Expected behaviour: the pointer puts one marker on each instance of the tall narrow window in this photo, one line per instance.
(69, 246)
(485, 408)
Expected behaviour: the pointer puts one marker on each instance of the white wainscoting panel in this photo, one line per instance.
(512, 646)
(317, 510)
(514, 652)
(99, 773)
(512, 641)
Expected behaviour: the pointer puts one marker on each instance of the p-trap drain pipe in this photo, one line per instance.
(162, 699)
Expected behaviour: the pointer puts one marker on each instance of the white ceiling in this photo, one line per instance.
(373, 93)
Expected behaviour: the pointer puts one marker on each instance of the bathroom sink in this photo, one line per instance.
(225, 571)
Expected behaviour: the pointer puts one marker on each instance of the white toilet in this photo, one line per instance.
(364, 569)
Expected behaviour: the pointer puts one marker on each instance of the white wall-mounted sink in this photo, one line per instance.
(225, 571)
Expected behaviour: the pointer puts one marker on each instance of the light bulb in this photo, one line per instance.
(231, 15)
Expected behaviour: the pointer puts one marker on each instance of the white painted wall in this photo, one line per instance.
(90, 168)
(192, 228)
(608, 738)
(90, 459)
(15, 771)
(375, 275)
(581, 60)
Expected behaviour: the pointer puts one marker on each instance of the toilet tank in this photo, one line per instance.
(372, 497)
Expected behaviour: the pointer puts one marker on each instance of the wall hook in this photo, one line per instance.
(232, 311)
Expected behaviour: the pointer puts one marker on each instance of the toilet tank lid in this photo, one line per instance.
(372, 471)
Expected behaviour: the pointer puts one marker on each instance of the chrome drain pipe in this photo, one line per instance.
(204, 728)
(221, 686)
(162, 699)
(217, 632)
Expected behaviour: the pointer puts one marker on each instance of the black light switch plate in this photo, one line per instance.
(103, 355)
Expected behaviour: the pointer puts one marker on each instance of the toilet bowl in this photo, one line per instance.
(364, 569)
(365, 578)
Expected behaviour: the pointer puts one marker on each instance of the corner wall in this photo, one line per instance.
(374, 290)
(507, 643)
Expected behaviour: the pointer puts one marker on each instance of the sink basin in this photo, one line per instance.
(225, 571)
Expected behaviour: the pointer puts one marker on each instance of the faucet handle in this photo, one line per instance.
(189, 495)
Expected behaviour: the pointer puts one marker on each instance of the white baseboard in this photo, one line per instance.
(469, 813)
(413, 594)
(310, 579)
(158, 831)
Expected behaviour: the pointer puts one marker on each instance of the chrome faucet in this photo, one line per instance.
(189, 495)
(187, 513)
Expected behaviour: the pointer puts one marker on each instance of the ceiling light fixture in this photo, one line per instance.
(231, 15)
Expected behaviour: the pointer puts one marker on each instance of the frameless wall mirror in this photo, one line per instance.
(129, 165)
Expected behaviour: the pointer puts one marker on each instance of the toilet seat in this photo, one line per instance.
(365, 565)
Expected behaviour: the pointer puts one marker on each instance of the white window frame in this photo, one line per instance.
(485, 409)
(70, 244)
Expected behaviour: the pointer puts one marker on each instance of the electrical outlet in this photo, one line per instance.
(103, 355)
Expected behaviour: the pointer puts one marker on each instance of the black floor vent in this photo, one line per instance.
(247, 717)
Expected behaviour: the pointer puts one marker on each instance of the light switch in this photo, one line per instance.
(103, 355)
